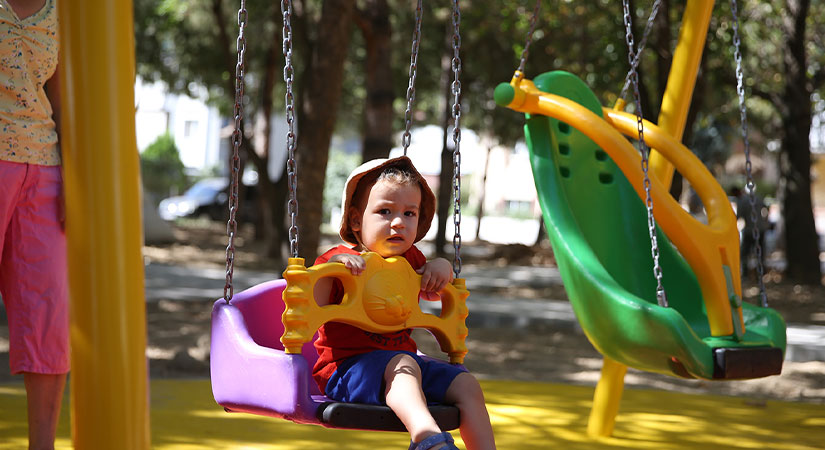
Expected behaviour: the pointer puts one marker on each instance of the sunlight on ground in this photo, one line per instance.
(525, 416)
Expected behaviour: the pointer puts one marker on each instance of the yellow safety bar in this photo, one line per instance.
(382, 299)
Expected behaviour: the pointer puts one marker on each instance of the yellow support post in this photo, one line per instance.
(606, 399)
(109, 393)
(682, 80)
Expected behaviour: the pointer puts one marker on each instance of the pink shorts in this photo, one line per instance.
(33, 279)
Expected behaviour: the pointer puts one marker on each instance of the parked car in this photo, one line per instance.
(208, 197)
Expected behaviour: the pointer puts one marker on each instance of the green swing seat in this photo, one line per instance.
(597, 225)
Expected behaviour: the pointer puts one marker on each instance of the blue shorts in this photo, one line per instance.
(360, 379)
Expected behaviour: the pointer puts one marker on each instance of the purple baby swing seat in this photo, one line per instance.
(251, 373)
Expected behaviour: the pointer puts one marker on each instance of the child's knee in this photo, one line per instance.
(465, 387)
(402, 364)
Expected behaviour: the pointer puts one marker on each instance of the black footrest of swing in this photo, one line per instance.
(741, 363)
(381, 418)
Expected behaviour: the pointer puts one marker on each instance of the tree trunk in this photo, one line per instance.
(445, 177)
(542, 234)
(801, 238)
(320, 99)
(247, 151)
(270, 227)
(483, 194)
(374, 23)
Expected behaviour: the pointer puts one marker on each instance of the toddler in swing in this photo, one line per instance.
(387, 207)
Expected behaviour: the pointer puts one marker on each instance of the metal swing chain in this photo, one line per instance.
(648, 27)
(661, 297)
(526, 51)
(237, 137)
(455, 88)
(407, 137)
(750, 184)
(289, 101)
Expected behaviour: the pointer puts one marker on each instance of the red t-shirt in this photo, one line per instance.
(339, 341)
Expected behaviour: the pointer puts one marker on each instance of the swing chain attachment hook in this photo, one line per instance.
(289, 102)
(237, 138)
(750, 184)
(408, 113)
(661, 297)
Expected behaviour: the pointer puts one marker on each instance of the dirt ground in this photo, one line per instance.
(178, 331)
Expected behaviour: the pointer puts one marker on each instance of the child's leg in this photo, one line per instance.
(404, 396)
(475, 427)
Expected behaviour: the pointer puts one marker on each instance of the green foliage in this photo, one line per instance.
(179, 41)
(161, 168)
(712, 141)
(182, 43)
(338, 169)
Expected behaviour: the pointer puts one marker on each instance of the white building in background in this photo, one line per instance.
(203, 140)
(509, 186)
(202, 136)
(195, 126)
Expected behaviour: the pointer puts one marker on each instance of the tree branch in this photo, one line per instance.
(260, 163)
(361, 22)
(771, 97)
(225, 42)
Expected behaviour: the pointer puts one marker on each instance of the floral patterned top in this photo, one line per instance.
(28, 58)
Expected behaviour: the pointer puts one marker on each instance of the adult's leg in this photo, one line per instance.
(475, 428)
(404, 396)
(44, 395)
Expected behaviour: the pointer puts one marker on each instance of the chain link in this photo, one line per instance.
(750, 184)
(237, 138)
(289, 101)
(455, 89)
(661, 297)
(416, 39)
(648, 27)
(526, 52)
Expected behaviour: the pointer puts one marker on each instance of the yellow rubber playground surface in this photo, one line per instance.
(525, 416)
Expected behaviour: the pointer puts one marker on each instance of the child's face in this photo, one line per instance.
(389, 222)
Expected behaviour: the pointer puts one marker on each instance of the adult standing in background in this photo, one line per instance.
(33, 279)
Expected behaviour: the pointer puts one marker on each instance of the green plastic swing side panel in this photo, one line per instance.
(598, 228)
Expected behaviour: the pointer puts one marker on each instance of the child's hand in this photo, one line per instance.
(355, 263)
(435, 275)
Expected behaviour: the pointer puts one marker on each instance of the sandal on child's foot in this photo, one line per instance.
(434, 441)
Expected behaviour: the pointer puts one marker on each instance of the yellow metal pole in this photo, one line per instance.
(606, 399)
(682, 80)
(109, 393)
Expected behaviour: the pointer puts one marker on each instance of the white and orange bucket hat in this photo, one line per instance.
(426, 211)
